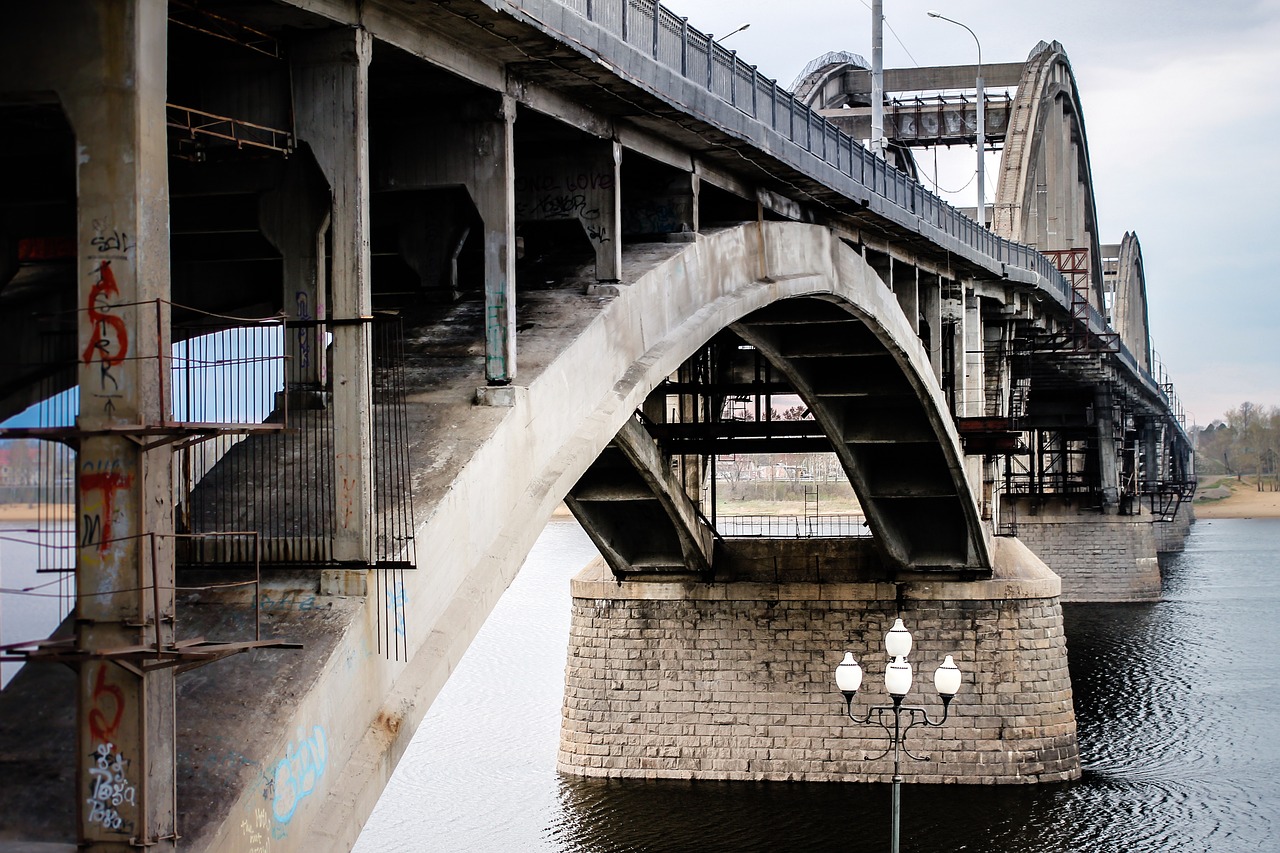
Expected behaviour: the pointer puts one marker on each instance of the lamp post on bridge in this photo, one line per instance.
(897, 682)
(981, 121)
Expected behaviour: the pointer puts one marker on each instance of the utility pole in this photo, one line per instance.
(877, 78)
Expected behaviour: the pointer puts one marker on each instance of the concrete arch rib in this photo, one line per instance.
(585, 396)
(1129, 301)
(873, 403)
(1044, 195)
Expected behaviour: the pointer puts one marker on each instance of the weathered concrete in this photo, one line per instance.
(330, 73)
(735, 680)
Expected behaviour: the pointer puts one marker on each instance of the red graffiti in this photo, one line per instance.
(107, 482)
(105, 286)
(102, 728)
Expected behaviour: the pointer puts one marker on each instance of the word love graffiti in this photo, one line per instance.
(109, 789)
(298, 773)
(545, 183)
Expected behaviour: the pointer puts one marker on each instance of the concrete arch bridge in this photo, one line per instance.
(352, 294)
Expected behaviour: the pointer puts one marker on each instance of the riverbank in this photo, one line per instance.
(1219, 496)
(10, 513)
(1216, 496)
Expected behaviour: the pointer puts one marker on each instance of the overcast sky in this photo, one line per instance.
(1182, 110)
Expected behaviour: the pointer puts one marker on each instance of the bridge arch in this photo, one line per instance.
(761, 277)
(1129, 300)
(1044, 192)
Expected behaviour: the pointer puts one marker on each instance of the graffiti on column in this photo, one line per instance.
(107, 707)
(304, 332)
(108, 342)
(109, 347)
(105, 479)
(257, 831)
(110, 789)
(549, 196)
(495, 334)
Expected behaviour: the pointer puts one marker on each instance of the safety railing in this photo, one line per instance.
(830, 526)
(648, 26)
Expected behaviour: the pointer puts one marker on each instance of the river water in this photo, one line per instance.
(1176, 704)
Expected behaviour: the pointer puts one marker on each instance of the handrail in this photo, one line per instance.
(648, 26)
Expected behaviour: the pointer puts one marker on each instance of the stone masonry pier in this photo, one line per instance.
(734, 680)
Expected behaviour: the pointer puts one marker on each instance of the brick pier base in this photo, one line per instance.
(1171, 536)
(736, 680)
(1099, 556)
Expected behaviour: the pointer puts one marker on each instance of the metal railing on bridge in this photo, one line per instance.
(832, 526)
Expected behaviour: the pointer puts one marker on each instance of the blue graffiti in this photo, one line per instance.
(396, 600)
(299, 772)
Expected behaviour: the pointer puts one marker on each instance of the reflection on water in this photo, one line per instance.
(1175, 704)
(30, 615)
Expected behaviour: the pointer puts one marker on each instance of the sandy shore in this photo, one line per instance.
(1243, 501)
(32, 512)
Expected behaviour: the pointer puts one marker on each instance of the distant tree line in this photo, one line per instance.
(1245, 441)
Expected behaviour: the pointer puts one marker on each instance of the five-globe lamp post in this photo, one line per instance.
(897, 681)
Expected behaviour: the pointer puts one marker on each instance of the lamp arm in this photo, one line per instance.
(862, 721)
(875, 714)
(920, 717)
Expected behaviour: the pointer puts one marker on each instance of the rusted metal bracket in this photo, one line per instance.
(138, 659)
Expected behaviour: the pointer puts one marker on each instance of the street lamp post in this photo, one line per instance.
(981, 122)
(897, 681)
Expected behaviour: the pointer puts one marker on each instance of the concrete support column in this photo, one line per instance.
(931, 314)
(295, 217)
(1108, 462)
(996, 367)
(906, 286)
(114, 96)
(1153, 467)
(952, 312)
(493, 191)
(608, 238)
(331, 83)
(695, 187)
(974, 369)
